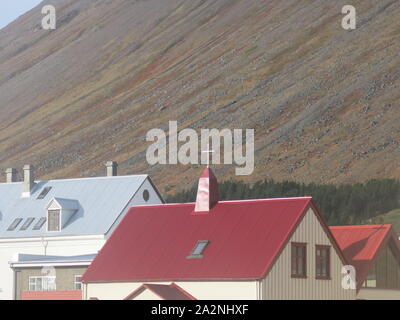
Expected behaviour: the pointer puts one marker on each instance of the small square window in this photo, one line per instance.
(78, 282)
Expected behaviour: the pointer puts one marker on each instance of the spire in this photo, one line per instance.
(207, 192)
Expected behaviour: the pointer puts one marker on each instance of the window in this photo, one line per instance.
(146, 195)
(299, 260)
(42, 283)
(44, 193)
(14, 225)
(27, 224)
(198, 249)
(53, 221)
(78, 282)
(370, 282)
(40, 223)
(322, 262)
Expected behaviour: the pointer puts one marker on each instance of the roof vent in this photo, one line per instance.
(207, 192)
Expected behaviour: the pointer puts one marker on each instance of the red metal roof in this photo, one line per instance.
(152, 243)
(165, 292)
(361, 244)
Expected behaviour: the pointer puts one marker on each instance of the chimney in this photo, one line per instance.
(111, 168)
(29, 181)
(11, 175)
(207, 192)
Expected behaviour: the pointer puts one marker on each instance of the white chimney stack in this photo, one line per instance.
(112, 167)
(29, 181)
(11, 175)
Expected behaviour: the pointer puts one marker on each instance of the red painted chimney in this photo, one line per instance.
(207, 193)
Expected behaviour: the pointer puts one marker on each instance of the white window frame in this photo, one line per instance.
(47, 283)
(76, 283)
(59, 220)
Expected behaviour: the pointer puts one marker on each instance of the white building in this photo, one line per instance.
(64, 217)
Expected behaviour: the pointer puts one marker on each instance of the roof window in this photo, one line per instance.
(15, 224)
(27, 224)
(198, 250)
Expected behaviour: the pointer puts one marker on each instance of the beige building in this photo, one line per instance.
(374, 251)
(49, 277)
(257, 249)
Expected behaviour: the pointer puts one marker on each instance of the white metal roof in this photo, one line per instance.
(100, 201)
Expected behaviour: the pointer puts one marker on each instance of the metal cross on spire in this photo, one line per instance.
(208, 151)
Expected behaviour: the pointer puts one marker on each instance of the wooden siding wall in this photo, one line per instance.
(387, 270)
(279, 285)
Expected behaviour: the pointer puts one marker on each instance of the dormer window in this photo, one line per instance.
(60, 212)
(53, 220)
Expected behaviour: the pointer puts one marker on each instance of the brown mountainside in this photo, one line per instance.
(324, 102)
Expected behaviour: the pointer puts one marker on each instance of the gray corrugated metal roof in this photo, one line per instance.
(101, 200)
(67, 204)
(33, 258)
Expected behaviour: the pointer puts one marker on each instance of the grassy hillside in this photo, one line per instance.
(324, 102)
(393, 218)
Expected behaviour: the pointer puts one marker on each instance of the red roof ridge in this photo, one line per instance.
(166, 295)
(220, 202)
(267, 199)
(362, 226)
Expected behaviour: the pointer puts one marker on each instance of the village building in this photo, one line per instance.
(40, 277)
(374, 251)
(254, 249)
(66, 217)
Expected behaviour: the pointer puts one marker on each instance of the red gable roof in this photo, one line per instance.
(361, 244)
(165, 292)
(152, 243)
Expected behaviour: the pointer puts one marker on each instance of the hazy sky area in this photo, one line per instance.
(12, 9)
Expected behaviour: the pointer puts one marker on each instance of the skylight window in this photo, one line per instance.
(44, 193)
(14, 225)
(40, 223)
(198, 250)
(27, 224)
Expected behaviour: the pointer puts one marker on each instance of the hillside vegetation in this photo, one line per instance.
(324, 102)
(343, 204)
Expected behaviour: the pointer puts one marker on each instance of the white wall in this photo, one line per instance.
(201, 290)
(67, 247)
(279, 284)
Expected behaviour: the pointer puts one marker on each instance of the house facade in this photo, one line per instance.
(49, 277)
(374, 251)
(266, 249)
(66, 217)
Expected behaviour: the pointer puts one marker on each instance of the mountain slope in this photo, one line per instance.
(324, 102)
